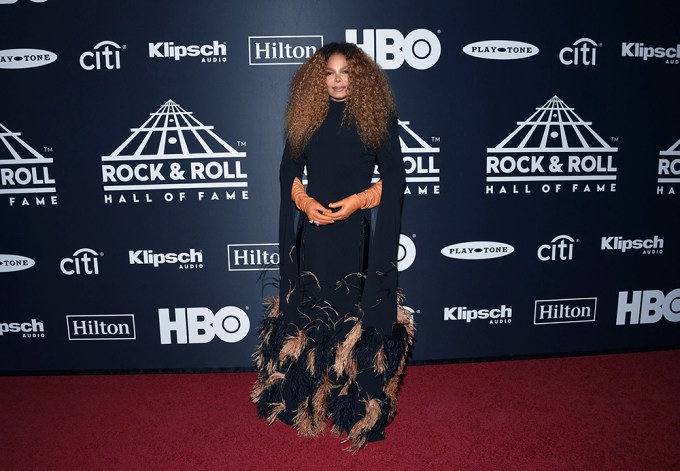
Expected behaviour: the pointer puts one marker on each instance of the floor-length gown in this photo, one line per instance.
(334, 343)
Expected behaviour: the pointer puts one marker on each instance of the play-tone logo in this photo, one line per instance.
(582, 52)
(390, 48)
(25, 174)
(552, 149)
(199, 325)
(500, 49)
(25, 58)
(648, 307)
(170, 153)
(101, 327)
(15, 263)
(106, 55)
(282, 50)
(669, 170)
(478, 250)
(564, 311)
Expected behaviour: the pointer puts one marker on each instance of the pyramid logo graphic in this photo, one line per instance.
(172, 150)
(669, 168)
(23, 170)
(553, 145)
(418, 156)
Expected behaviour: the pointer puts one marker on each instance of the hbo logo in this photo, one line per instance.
(389, 48)
(648, 307)
(200, 325)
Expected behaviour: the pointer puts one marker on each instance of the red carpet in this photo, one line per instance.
(610, 412)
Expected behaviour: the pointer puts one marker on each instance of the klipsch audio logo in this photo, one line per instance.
(564, 311)
(83, 262)
(500, 49)
(105, 55)
(644, 246)
(101, 327)
(252, 257)
(191, 260)
(582, 52)
(169, 153)
(669, 170)
(648, 307)
(560, 248)
(28, 330)
(213, 52)
(552, 148)
(24, 172)
(477, 250)
(25, 58)
(282, 50)
(499, 315)
(390, 48)
(406, 253)
(670, 55)
(199, 325)
(15, 263)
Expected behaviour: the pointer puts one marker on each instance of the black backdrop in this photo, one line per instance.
(504, 251)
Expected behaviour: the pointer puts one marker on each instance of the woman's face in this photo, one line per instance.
(337, 77)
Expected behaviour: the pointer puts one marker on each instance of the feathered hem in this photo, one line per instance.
(318, 382)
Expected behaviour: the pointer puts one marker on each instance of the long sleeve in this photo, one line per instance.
(289, 170)
(379, 299)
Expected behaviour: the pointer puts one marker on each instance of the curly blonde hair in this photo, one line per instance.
(369, 103)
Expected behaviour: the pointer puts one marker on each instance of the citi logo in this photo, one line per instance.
(500, 49)
(282, 50)
(25, 58)
(106, 55)
(252, 257)
(390, 48)
(639, 50)
(84, 262)
(582, 52)
(648, 246)
(477, 250)
(564, 311)
(15, 263)
(101, 327)
(500, 315)
(199, 325)
(560, 248)
(215, 52)
(187, 260)
(648, 307)
(33, 329)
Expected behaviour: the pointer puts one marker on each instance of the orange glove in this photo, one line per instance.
(315, 211)
(366, 199)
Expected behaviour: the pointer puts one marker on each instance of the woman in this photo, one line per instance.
(334, 343)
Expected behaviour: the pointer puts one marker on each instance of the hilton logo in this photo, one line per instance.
(282, 50)
(253, 257)
(101, 327)
(563, 311)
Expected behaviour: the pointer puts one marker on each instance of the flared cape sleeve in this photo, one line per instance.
(379, 297)
(288, 230)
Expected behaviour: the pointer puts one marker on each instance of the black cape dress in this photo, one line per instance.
(333, 344)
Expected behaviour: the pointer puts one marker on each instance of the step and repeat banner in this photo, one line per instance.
(139, 152)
